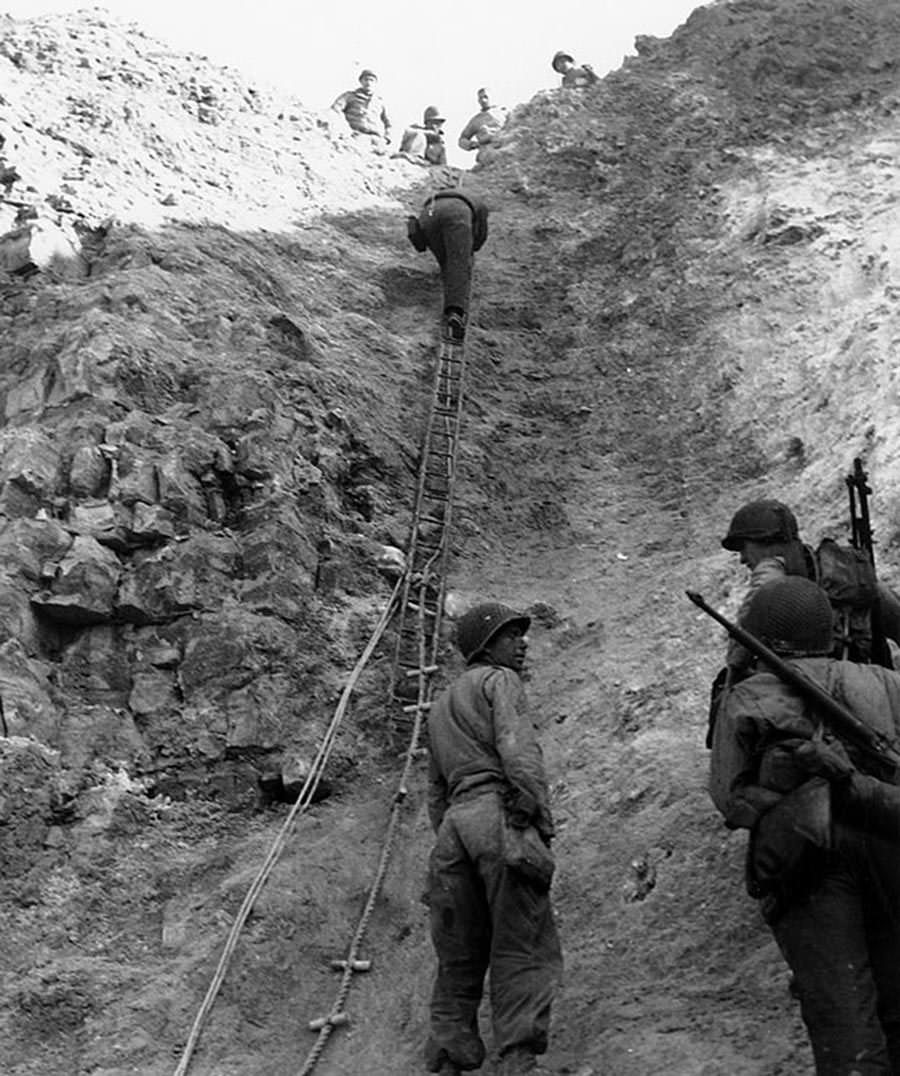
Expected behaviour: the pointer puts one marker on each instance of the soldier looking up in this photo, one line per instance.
(824, 821)
(487, 796)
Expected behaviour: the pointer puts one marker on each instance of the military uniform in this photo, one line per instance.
(485, 916)
(824, 852)
(454, 225)
(365, 113)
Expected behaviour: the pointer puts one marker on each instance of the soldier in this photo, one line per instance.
(452, 225)
(483, 128)
(486, 775)
(824, 821)
(573, 78)
(364, 110)
(424, 144)
(766, 536)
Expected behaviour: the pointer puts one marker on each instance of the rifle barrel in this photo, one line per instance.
(844, 720)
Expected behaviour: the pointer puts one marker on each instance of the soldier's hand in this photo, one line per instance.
(829, 760)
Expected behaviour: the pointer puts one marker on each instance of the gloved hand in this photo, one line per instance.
(829, 760)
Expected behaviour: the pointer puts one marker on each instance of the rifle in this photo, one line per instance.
(858, 490)
(881, 748)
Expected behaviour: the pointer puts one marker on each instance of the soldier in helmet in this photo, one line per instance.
(824, 822)
(765, 535)
(424, 143)
(486, 768)
(573, 77)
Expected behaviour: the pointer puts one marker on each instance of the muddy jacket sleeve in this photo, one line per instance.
(516, 743)
(734, 764)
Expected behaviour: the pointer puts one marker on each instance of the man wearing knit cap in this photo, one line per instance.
(364, 110)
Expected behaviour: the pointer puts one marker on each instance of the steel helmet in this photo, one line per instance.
(558, 57)
(432, 114)
(479, 625)
(761, 521)
(792, 616)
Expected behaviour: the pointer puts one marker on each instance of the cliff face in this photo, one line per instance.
(214, 373)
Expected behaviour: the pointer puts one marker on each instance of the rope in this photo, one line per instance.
(451, 428)
(303, 800)
(386, 851)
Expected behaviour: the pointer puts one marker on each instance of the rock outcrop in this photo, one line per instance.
(215, 363)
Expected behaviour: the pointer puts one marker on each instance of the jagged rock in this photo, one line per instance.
(27, 544)
(31, 781)
(28, 704)
(88, 472)
(262, 713)
(150, 524)
(29, 470)
(84, 584)
(152, 693)
(93, 736)
(99, 520)
(17, 618)
(180, 578)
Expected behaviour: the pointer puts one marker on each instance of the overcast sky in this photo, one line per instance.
(424, 52)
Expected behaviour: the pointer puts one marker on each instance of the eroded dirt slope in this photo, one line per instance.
(686, 300)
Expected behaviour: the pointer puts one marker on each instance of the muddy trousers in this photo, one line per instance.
(483, 918)
(842, 942)
(447, 224)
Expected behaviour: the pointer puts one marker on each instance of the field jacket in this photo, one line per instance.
(763, 719)
(483, 740)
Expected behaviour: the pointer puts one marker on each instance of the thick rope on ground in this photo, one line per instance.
(303, 800)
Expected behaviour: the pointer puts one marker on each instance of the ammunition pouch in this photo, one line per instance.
(789, 839)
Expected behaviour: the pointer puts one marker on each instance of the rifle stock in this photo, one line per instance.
(843, 721)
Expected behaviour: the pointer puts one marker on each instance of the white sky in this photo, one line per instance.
(424, 51)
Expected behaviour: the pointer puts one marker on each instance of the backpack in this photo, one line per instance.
(848, 578)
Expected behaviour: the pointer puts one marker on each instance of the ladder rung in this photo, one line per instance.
(427, 671)
(415, 608)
